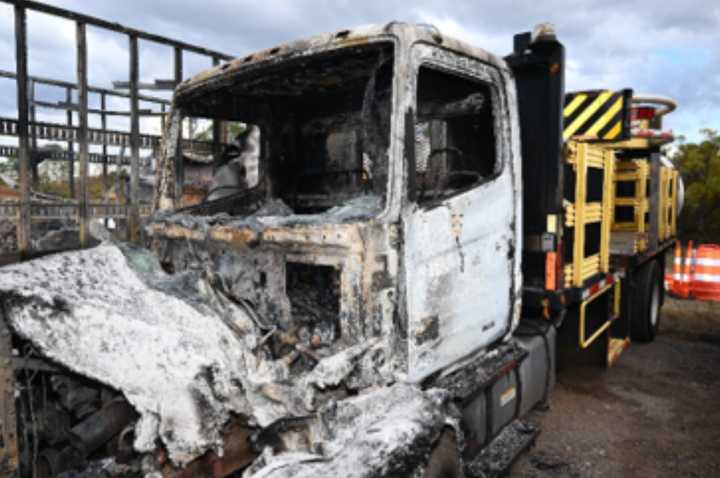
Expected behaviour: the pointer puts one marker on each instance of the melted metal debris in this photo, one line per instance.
(184, 355)
(401, 420)
(104, 468)
(476, 372)
(275, 213)
(496, 458)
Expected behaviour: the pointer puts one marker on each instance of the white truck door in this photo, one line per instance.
(461, 227)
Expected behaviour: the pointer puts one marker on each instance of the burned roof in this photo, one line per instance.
(405, 32)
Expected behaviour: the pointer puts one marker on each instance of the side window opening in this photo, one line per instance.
(209, 175)
(454, 135)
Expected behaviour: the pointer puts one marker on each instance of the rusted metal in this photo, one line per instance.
(24, 225)
(112, 26)
(217, 127)
(96, 430)
(157, 85)
(85, 438)
(103, 125)
(70, 146)
(96, 158)
(237, 454)
(8, 418)
(179, 161)
(52, 211)
(57, 132)
(41, 80)
(134, 217)
(25, 127)
(81, 39)
(66, 106)
(33, 138)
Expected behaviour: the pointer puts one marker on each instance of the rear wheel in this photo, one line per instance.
(646, 319)
(444, 460)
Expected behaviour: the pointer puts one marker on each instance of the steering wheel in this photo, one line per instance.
(464, 177)
(361, 174)
(306, 180)
(438, 183)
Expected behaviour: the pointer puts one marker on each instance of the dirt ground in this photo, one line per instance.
(656, 413)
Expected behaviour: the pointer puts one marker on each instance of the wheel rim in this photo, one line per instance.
(655, 305)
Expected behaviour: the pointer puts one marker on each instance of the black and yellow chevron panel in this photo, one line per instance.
(599, 114)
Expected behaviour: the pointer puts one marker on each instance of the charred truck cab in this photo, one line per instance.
(414, 196)
(387, 192)
(405, 237)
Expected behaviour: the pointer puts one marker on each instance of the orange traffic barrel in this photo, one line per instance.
(705, 282)
(674, 282)
(682, 288)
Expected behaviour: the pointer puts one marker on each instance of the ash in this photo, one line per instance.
(181, 353)
(383, 433)
(188, 359)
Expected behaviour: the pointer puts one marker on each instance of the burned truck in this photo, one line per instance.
(370, 294)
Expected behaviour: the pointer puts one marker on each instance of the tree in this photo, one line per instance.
(699, 167)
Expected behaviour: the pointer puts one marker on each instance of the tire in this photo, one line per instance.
(444, 460)
(646, 316)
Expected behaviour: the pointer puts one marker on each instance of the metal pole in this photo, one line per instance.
(33, 137)
(217, 126)
(162, 118)
(103, 123)
(134, 213)
(179, 163)
(81, 39)
(8, 413)
(115, 27)
(91, 89)
(24, 226)
(71, 147)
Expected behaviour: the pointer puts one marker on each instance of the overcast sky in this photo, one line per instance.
(652, 47)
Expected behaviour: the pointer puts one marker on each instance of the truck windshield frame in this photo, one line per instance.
(324, 119)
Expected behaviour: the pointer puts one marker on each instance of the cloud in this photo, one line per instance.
(668, 48)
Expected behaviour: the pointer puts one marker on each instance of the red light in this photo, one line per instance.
(643, 113)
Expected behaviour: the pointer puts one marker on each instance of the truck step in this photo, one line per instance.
(498, 456)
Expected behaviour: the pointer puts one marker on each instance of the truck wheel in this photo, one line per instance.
(444, 461)
(646, 319)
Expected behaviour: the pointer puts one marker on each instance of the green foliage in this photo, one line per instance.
(699, 166)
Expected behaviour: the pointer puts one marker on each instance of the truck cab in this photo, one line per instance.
(387, 191)
(411, 196)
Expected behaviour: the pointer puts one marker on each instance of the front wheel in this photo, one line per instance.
(646, 319)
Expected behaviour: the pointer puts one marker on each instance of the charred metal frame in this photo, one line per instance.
(372, 263)
(29, 131)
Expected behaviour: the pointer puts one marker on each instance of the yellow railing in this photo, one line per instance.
(582, 338)
(583, 156)
(637, 172)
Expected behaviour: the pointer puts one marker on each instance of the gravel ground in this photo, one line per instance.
(656, 413)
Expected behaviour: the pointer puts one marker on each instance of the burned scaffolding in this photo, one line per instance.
(26, 209)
